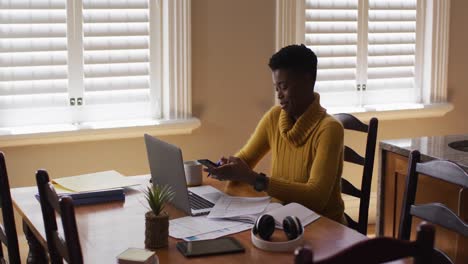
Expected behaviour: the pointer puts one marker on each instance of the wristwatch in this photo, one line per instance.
(260, 182)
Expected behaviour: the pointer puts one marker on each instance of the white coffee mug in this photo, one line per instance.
(193, 173)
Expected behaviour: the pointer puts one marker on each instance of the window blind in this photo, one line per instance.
(391, 51)
(72, 63)
(116, 57)
(331, 31)
(366, 50)
(33, 58)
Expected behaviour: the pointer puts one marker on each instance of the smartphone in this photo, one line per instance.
(208, 163)
(223, 245)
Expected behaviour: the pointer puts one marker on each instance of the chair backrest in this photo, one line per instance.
(463, 214)
(352, 123)
(378, 250)
(436, 213)
(59, 249)
(8, 234)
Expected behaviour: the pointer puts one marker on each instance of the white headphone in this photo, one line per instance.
(264, 228)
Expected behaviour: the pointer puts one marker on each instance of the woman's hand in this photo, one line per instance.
(234, 169)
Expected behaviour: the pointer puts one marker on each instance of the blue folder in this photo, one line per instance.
(95, 197)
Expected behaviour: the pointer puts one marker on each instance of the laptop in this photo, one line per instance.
(167, 168)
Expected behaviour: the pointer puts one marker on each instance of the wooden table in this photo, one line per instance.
(108, 229)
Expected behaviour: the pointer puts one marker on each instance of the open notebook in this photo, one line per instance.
(279, 212)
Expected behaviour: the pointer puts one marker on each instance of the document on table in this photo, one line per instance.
(192, 226)
(95, 181)
(222, 232)
(228, 206)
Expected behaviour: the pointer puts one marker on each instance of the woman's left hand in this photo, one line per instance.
(234, 169)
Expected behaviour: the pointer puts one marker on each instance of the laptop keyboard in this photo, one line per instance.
(197, 202)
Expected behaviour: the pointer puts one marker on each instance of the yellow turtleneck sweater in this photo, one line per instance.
(307, 159)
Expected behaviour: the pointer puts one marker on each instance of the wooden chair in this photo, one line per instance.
(436, 213)
(378, 250)
(70, 249)
(8, 234)
(352, 123)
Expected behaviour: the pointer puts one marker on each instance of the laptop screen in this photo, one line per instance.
(167, 168)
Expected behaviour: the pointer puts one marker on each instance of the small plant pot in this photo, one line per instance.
(156, 230)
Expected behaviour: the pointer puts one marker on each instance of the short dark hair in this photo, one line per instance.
(297, 58)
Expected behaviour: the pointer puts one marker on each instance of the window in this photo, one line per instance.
(372, 54)
(84, 62)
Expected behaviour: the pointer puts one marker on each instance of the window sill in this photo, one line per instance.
(96, 131)
(396, 112)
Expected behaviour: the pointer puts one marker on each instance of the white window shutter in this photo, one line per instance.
(116, 59)
(331, 31)
(391, 72)
(82, 64)
(33, 62)
(397, 54)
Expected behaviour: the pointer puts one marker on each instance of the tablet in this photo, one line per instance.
(223, 245)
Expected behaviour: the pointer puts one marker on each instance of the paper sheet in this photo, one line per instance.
(191, 226)
(228, 206)
(60, 189)
(222, 232)
(95, 181)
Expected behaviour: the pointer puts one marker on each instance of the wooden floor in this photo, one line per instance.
(371, 230)
(23, 247)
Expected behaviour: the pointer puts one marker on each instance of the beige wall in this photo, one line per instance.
(231, 44)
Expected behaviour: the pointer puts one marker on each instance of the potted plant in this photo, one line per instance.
(156, 220)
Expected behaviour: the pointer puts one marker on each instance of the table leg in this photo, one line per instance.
(37, 253)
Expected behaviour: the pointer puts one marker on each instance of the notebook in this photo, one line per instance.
(94, 197)
(279, 212)
(167, 168)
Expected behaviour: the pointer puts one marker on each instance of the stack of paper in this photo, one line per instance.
(191, 226)
(221, 232)
(94, 197)
(235, 214)
(248, 209)
(94, 188)
(238, 224)
(97, 181)
(278, 211)
(237, 207)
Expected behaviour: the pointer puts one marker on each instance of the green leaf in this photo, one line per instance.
(158, 196)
